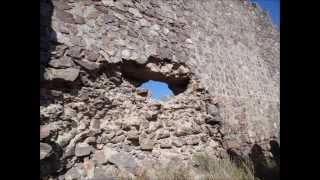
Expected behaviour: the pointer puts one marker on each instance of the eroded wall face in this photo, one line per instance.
(235, 53)
(225, 53)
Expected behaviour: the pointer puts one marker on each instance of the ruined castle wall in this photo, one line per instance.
(228, 47)
(235, 53)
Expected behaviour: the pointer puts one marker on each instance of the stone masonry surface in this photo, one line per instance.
(220, 58)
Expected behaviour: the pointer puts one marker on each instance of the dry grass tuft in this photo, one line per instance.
(207, 169)
(217, 169)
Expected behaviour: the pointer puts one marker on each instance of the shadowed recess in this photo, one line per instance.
(141, 73)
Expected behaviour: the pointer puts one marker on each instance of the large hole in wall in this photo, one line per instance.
(159, 90)
(169, 77)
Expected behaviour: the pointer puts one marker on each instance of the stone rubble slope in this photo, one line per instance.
(119, 125)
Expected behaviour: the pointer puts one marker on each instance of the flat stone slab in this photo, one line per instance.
(125, 161)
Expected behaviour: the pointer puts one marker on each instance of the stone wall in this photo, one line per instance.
(221, 58)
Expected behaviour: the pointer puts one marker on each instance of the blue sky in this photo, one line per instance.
(159, 89)
(272, 7)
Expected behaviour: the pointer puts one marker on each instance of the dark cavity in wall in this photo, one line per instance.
(176, 75)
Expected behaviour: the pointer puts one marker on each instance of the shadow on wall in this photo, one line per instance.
(264, 168)
(48, 37)
(275, 150)
(48, 41)
(139, 73)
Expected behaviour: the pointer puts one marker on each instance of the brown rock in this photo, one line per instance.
(83, 149)
(92, 56)
(142, 92)
(133, 135)
(125, 161)
(88, 166)
(45, 150)
(75, 52)
(64, 62)
(182, 131)
(163, 134)
(90, 140)
(153, 126)
(146, 144)
(135, 12)
(68, 74)
(100, 158)
(44, 132)
(193, 140)
(88, 65)
(62, 5)
(118, 139)
(101, 8)
(177, 142)
(166, 144)
(79, 19)
(65, 16)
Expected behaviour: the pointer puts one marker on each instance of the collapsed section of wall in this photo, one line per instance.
(218, 57)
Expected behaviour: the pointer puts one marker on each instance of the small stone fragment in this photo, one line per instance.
(92, 56)
(166, 31)
(212, 109)
(213, 120)
(99, 157)
(142, 92)
(189, 41)
(177, 143)
(146, 144)
(75, 51)
(83, 149)
(90, 140)
(125, 161)
(79, 19)
(108, 2)
(65, 16)
(135, 12)
(125, 54)
(155, 27)
(45, 150)
(80, 42)
(44, 132)
(62, 5)
(153, 126)
(182, 131)
(144, 23)
(163, 134)
(68, 74)
(108, 152)
(133, 135)
(166, 144)
(72, 174)
(95, 124)
(88, 65)
(64, 62)
(88, 166)
(192, 140)
(52, 111)
(118, 139)
(152, 116)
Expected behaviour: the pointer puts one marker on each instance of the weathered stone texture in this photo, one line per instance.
(220, 58)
